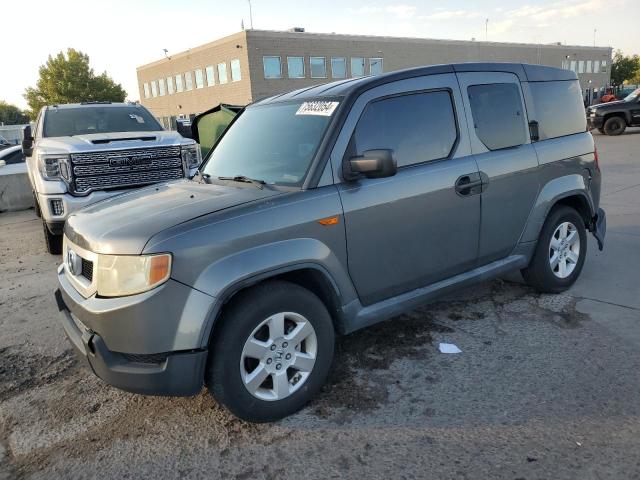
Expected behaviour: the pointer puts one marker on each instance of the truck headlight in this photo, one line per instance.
(50, 166)
(191, 155)
(120, 275)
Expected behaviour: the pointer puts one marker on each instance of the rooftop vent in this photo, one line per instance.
(296, 30)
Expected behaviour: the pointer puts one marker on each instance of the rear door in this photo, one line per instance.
(417, 227)
(501, 145)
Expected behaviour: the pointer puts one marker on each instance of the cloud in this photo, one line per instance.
(399, 10)
(559, 10)
(450, 14)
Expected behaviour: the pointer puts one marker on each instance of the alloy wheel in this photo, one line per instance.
(564, 250)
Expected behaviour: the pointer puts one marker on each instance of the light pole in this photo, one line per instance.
(486, 30)
(250, 16)
(594, 36)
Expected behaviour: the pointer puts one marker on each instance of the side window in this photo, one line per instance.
(498, 115)
(559, 108)
(418, 127)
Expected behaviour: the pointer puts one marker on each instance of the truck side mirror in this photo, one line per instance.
(27, 141)
(378, 163)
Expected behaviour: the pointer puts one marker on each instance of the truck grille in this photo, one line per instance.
(124, 168)
(87, 269)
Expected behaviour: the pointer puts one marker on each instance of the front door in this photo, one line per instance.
(422, 224)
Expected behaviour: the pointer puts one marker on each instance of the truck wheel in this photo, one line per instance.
(615, 126)
(560, 252)
(54, 242)
(271, 353)
(36, 205)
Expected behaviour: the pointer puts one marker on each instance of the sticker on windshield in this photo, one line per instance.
(324, 109)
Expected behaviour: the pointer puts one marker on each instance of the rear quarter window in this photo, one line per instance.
(558, 107)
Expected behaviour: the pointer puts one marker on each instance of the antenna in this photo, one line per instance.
(250, 16)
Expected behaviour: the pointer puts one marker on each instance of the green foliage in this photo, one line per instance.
(70, 79)
(624, 68)
(12, 115)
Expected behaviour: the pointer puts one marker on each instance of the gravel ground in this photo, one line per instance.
(545, 386)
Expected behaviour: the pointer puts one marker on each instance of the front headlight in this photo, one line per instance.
(191, 155)
(120, 275)
(53, 166)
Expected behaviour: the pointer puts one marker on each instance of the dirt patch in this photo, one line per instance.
(19, 372)
(372, 350)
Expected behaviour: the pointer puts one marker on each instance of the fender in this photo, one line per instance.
(226, 276)
(550, 194)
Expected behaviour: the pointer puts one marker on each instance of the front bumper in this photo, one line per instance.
(595, 122)
(70, 204)
(149, 343)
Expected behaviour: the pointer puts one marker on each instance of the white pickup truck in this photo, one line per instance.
(79, 154)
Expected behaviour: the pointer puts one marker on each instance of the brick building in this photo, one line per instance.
(252, 64)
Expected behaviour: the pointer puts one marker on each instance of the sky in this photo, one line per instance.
(120, 35)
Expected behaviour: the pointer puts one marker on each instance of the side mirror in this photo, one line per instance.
(371, 164)
(27, 141)
(184, 128)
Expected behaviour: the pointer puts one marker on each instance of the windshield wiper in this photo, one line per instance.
(244, 179)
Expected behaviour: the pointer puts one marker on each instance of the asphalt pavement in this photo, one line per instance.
(546, 386)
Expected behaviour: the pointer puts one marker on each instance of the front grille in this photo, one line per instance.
(125, 168)
(87, 270)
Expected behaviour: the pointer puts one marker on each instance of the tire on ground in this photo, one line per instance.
(615, 126)
(53, 242)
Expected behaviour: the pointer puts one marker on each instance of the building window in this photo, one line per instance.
(146, 90)
(375, 66)
(399, 123)
(318, 67)
(295, 67)
(236, 75)
(603, 66)
(357, 67)
(161, 88)
(222, 73)
(339, 67)
(188, 81)
(179, 86)
(211, 81)
(170, 89)
(580, 66)
(154, 89)
(588, 67)
(272, 67)
(199, 78)
(573, 66)
(565, 64)
(498, 115)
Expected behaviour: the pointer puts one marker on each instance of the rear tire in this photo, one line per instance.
(615, 126)
(560, 253)
(262, 372)
(53, 242)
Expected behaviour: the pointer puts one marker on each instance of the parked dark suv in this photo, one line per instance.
(323, 211)
(613, 118)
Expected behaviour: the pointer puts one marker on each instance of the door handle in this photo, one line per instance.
(470, 184)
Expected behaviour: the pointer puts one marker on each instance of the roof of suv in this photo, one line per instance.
(355, 86)
(92, 104)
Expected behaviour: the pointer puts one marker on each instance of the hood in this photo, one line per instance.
(124, 224)
(109, 141)
(608, 105)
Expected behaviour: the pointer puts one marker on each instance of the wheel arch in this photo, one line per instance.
(623, 115)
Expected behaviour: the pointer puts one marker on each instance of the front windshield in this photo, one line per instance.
(273, 143)
(66, 122)
(633, 96)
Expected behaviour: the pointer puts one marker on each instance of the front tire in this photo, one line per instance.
(560, 252)
(271, 353)
(53, 242)
(615, 126)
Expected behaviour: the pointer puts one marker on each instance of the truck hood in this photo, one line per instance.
(608, 106)
(109, 141)
(124, 224)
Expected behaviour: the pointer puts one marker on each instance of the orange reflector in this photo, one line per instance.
(159, 269)
(328, 221)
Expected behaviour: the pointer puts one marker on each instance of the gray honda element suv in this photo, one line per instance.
(323, 211)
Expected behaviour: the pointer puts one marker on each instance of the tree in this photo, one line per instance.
(12, 115)
(70, 79)
(624, 67)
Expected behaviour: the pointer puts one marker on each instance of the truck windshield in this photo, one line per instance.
(65, 122)
(633, 96)
(272, 143)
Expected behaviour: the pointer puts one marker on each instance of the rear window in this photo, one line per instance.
(559, 108)
(418, 127)
(65, 122)
(498, 115)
